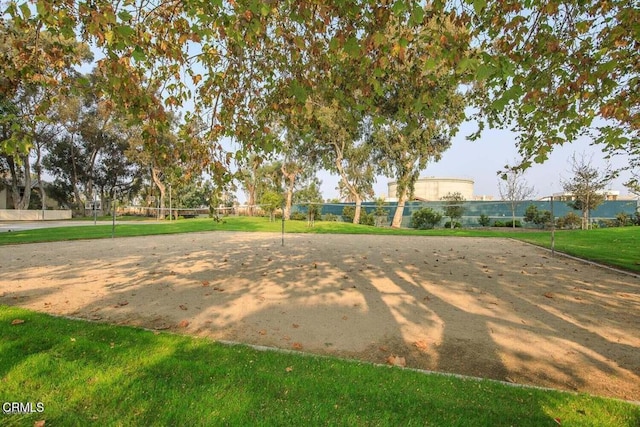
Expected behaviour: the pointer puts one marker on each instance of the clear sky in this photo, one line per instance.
(481, 160)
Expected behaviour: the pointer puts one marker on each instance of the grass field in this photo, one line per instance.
(96, 374)
(617, 247)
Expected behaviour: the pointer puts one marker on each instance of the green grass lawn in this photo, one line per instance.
(617, 247)
(96, 374)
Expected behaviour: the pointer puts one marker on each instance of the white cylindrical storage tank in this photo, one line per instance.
(435, 188)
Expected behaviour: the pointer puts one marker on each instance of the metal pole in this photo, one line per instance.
(553, 230)
(113, 223)
(170, 215)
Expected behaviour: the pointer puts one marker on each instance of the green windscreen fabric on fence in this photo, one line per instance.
(495, 210)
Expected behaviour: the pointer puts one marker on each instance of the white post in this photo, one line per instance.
(170, 214)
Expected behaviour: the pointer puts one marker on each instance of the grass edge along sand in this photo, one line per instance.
(87, 373)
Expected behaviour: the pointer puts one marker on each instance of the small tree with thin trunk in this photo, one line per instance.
(514, 190)
(270, 201)
(453, 207)
(586, 187)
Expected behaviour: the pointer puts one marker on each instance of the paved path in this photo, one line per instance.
(30, 225)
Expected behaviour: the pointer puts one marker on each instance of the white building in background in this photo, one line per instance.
(435, 188)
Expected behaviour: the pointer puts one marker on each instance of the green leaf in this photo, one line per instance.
(298, 91)
(417, 15)
(138, 54)
(125, 16)
(430, 64)
(398, 7)
(26, 12)
(125, 31)
(352, 47)
(485, 71)
(479, 5)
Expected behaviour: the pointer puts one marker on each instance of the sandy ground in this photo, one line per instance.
(490, 308)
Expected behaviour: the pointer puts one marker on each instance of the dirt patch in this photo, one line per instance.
(492, 308)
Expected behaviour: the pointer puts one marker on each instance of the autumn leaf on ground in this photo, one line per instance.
(295, 326)
(205, 283)
(422, 344)
(296, 346)
(215, 288)
(183, 307)
(262, 332)
(17, 322)
(289, 368)
(548, 294)
(39, 423)
(183, 324)
(397, 361)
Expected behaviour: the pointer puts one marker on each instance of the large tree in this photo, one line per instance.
(549, 70)
(554, 70)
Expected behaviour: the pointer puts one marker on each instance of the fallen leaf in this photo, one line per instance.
(215, 288)
(295, 325)
(183, 307)
(205, 283)
(344, 317)
(296, 346)
(73, 340)
(263, 332)
(548, 294)
(123, 303)
(289, 368)
(383, 348)
(397, 361)
(39, 423)
(183, 324)
(17, 322)
(422, 344)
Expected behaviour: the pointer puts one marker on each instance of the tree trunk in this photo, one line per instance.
(20, 202)
(251, 193)
(74, 182)
(356, 214)
(290, 181)
(585, 219)
(397, 216)
(352, 189)
(161, 188)
(38, 168)
(288, 200)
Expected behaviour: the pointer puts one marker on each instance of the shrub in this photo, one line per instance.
(498, 224)
(624, 219)
(571, 220)
(484, 220)
(330, 217)
(298, 216)
(540, 218)
(367, 218)
(348, 212)
(425, 218)
(511, 222)
(455, 224)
